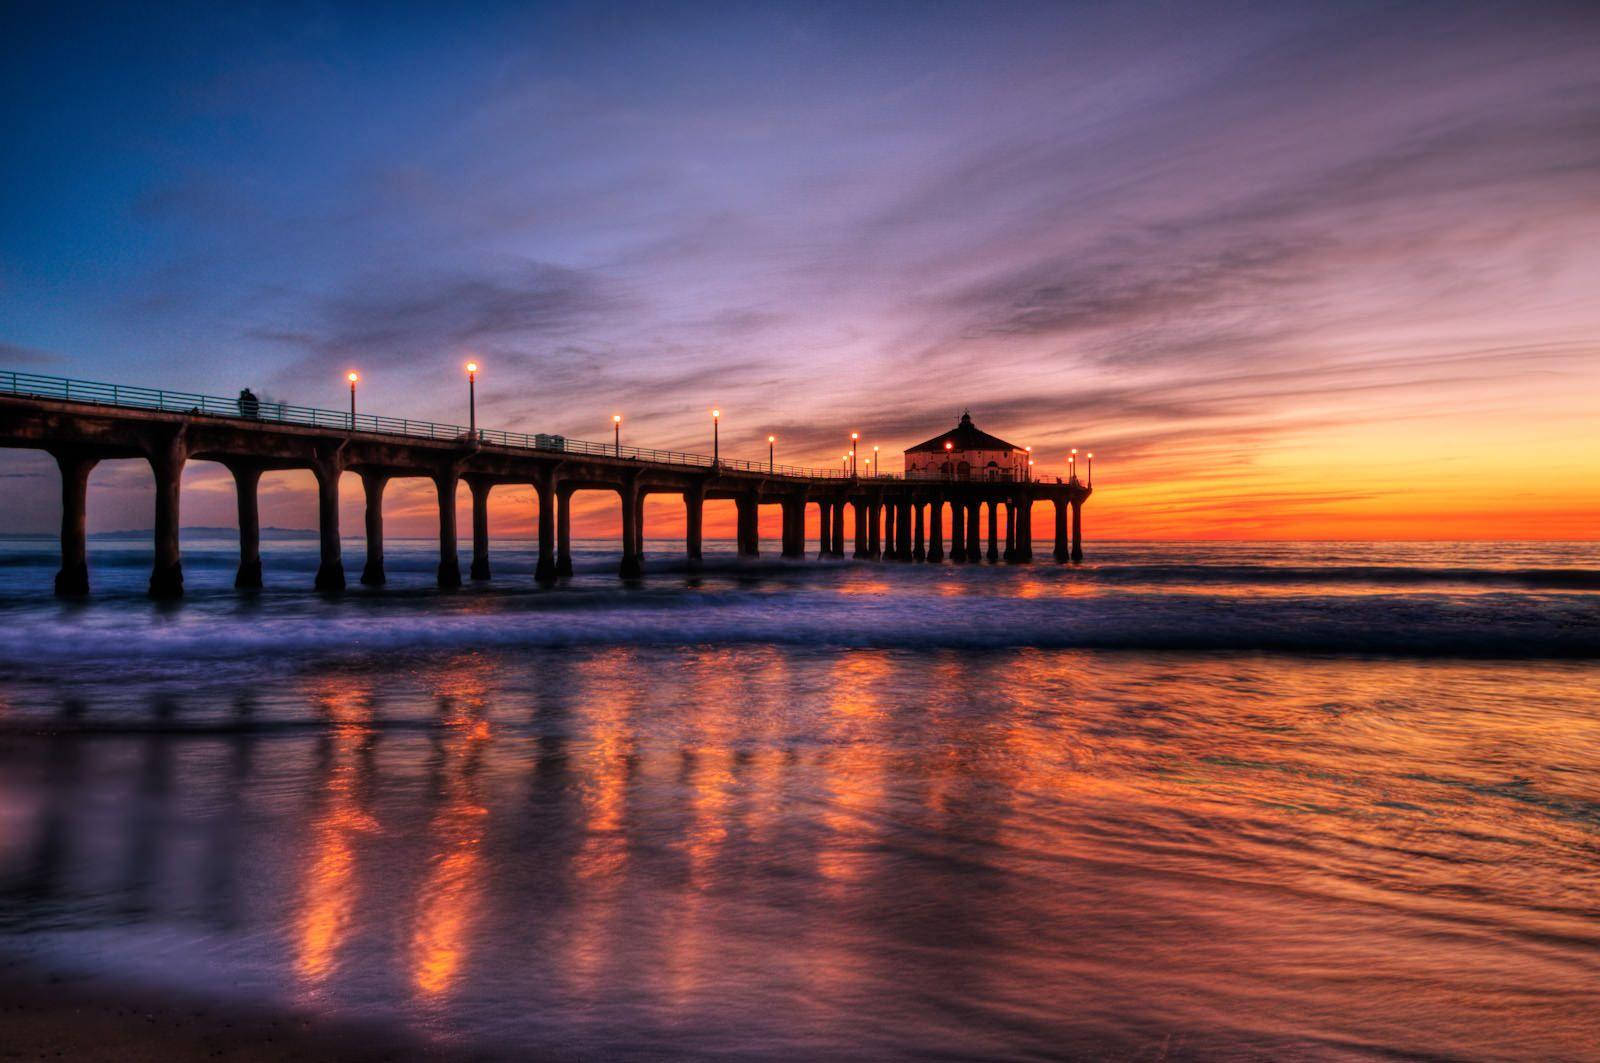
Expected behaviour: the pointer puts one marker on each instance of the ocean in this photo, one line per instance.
(1185, 800)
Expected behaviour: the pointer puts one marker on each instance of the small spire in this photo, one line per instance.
(966, 416)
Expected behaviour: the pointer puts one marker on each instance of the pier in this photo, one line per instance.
(891, 518)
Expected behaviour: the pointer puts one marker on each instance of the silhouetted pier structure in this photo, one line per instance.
(82, 423)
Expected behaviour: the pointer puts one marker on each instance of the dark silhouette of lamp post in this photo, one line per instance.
(472, 399)
(353, 377)
(855, 437)
(616, 432)
(771, 442)
(1091, 468)
(949, 468)
(716, 437)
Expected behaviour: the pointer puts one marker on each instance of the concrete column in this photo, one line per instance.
(449, 558)
(794, 528)
(919, 550)
(838, 528)
(694, 506)
(861, 547)
(749, 507)
(372, 484)
(974, 539)
(330, 570)
(632, 567)
(958, 532)
(638, 527)
(1025, 529)
(1011, 532)
(166, 576)
(824, 529)
(73, 579)
(936, 530)
(874, 521)
(546, 568)
(563, 500)
(994, 530)
(1077, 530)
(480, 526)
(902, 530)
(1063, 546)
(246, 485)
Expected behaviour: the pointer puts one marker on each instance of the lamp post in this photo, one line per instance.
(949, 472)
(616, 433)
(855, 437)
(472, 398)
(716, 437)
(876, 463)
(1072, 465)
(1030, 462)
(844, 464)
(868, 462)
(1091, 468)
(771, 441)
(353, 377)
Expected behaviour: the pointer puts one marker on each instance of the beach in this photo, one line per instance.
(1322, 801)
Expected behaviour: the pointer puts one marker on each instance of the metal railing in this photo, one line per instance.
(37, 385)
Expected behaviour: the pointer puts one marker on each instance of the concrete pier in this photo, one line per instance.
(896, 519)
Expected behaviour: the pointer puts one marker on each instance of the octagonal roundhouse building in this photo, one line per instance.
(966, 453)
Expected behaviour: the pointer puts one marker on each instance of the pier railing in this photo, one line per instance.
(37, 385)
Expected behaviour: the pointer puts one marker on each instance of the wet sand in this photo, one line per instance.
(46, 1016)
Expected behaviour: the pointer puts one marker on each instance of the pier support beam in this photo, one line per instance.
(330, 567)
(632, 568)
(958, 532)
(974, 537)
(794, 528)
(73, 579)
(902, 530)
(838, 528)
(166, 462)
(563, 498)
(936, 531)
(694, 515)
(449, 556)
(1025, 529)
(480, 526)
(547, 568)
(246, 487)
(824, 530)
(994, 531)
(749, 525)
(860, 509)
(372, 485)
(874, 530)
(1011, 532)
(1077, 530)
(1063, 551)
(919, 550)
(638, 527)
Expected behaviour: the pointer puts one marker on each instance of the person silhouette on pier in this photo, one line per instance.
(249, 405)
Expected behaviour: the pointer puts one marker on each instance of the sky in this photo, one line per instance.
(1289, 270)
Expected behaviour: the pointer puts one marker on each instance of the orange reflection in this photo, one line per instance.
(448, 900)
(855, 764)
(328, 892)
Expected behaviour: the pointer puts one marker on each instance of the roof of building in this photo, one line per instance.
(964, 436)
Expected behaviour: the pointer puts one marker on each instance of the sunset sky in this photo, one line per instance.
(1289, 270)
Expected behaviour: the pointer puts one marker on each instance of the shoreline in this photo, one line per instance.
(48, 1015)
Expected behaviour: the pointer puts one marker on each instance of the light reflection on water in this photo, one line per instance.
(878, 854)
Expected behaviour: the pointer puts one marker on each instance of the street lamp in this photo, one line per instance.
(1030, 461)
(854, 438)
(616, 432)
(1091, 468)
(1072, 465)
(844, 463)
(472, 398)
(876, 463)
(949, 473)
(716, 437)
(353, 376)
(770, 441)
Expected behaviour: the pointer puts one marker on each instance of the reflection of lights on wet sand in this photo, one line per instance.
(448, 899)
(328, 892)
(854, 763)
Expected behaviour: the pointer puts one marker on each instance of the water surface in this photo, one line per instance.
(1186, 800)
